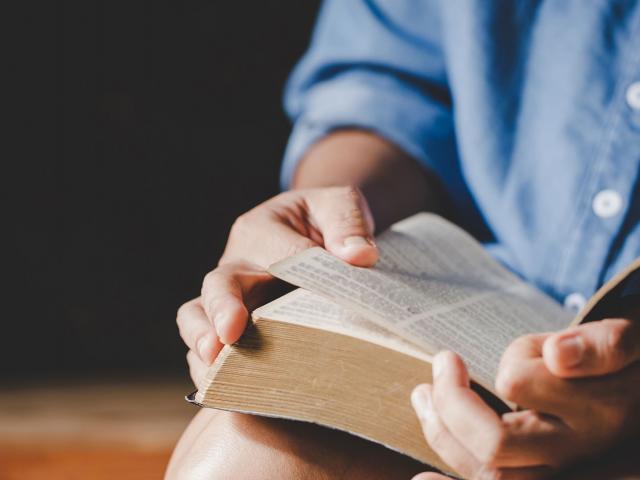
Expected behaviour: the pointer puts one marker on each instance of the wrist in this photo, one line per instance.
(394, 184)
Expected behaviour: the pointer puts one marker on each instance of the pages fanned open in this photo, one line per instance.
(346, 348)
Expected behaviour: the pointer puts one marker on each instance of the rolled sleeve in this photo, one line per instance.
(378, 102)
(368, 67)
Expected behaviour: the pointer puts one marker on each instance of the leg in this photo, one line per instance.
(222, 445)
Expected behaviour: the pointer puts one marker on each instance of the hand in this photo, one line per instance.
(579, 388)
(336, 218)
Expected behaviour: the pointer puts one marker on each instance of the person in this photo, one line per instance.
(518, 120)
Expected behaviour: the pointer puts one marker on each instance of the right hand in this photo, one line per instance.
(336, 218)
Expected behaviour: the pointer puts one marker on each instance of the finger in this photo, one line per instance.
(469, 419)
(450, 450)
(265, 238)
(224, 293)
(197, 332)
(521, 455)
(595, 348)
(532, 438)
(343, 217)
(523, 378)
(197, 368)
(430, 476)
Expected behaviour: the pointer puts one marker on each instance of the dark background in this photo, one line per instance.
(140, 130)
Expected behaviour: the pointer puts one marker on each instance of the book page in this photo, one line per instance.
(303, 307)
(436, 287)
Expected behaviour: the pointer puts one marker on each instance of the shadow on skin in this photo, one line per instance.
(622, 462)
(224, 445)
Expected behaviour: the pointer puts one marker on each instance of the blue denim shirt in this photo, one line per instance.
(529, 112)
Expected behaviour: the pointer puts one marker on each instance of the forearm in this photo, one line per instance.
(394, 184)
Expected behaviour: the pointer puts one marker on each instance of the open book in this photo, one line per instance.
(346, 349)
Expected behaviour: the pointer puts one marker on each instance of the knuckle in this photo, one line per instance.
(523, 343)
(282, 202)
(513, 352)
(181, 313)
(350, 217)
(206, 281)
(189, 357)
(180, 322)
(245, 224)
(240, 224)
(183, 317)
(615, 344)
(615, 337)
(510, 383)
(436, 436)
(212, 306)
(211, 282)
(526, 420)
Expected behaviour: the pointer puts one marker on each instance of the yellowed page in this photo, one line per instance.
(437, 288)
(303, 307)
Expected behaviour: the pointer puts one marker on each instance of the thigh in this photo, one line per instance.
(224, 445)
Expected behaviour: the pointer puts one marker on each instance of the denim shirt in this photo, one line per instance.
(528, 111)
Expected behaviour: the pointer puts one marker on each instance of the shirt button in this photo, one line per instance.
(575, 302)
(633, 95)
(607, 203)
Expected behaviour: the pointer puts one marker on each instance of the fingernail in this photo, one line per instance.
(437, 366)
(421, 401)
(357, 241)
(571, 350)
(202, 346)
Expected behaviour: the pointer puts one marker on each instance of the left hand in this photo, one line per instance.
(579, 388)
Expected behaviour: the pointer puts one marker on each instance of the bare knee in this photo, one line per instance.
(224, 445)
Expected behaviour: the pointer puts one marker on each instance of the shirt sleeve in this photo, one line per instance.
(368, 67)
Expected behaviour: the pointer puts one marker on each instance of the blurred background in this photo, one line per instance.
(139, 131)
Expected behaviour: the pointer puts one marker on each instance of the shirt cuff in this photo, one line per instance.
(396, 110)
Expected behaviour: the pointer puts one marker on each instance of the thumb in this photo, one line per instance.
(343, 218)
(595, 348)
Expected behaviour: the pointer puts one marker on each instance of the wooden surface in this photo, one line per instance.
(127, 430)
(114, 430)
